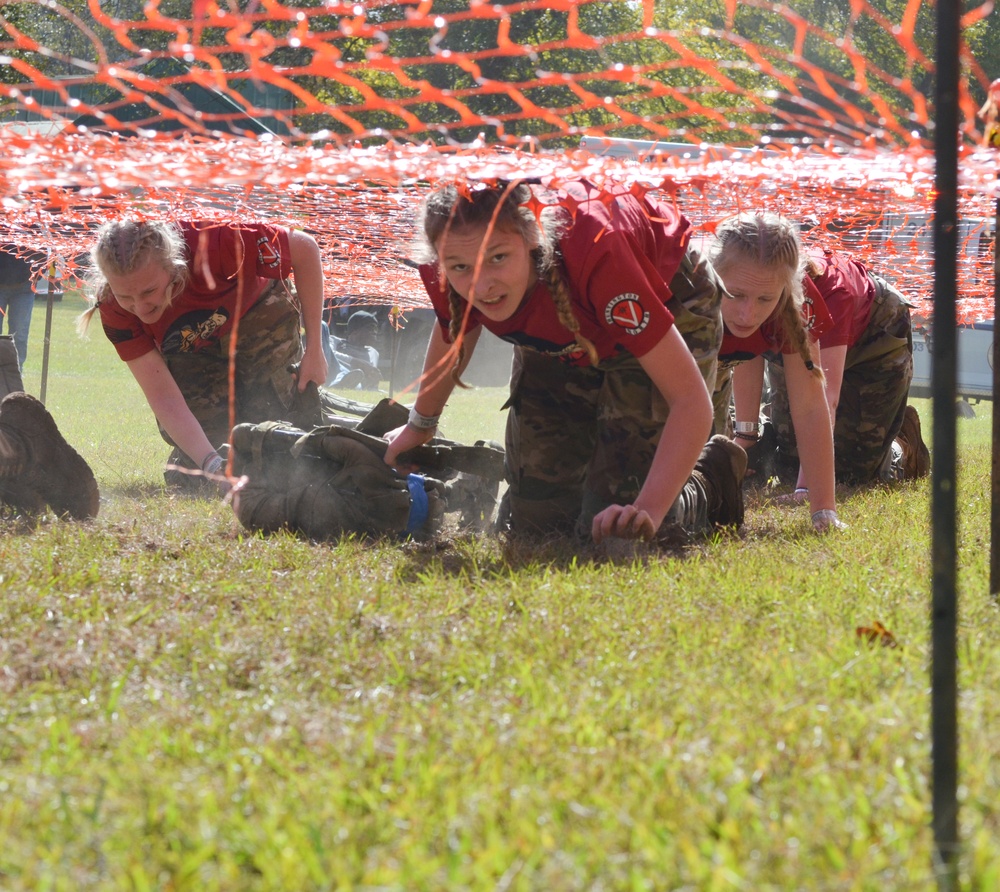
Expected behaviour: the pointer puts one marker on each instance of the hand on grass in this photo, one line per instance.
(825, 520)
(793, 498)
(623, 521)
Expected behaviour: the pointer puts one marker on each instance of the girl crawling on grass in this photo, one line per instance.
(616, 326)
(172, 298)
(839, 346)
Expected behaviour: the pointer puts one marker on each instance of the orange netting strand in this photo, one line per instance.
(829, 137)
(875, 205)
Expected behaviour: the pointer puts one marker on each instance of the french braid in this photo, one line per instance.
(559, 291)
(457, 307)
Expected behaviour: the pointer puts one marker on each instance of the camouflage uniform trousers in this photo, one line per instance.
(10, 368)
(582, 438)
(877, 374)
(722, 399)
(268, 345)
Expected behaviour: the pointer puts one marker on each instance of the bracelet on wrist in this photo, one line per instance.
(746, 427)
(422, 422)
(212, 463)
(753, 438)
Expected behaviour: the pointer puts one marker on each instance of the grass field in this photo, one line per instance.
(187, 706)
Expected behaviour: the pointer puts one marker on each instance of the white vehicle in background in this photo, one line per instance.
(973, 340)
(974, 356)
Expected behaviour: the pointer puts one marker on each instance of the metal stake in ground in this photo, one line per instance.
(49, 299)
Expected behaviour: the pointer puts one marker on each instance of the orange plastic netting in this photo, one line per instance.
(334, 116)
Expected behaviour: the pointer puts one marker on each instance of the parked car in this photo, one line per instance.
(974, 362)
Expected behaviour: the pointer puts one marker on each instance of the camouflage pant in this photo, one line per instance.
(10, 369)
(269, 344)
(877, 374)
(722, 399)
(582, 438)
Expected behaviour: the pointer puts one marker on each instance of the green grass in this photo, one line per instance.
(187, 706)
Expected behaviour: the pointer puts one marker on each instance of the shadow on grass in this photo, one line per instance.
(502, 554)
(132, 491)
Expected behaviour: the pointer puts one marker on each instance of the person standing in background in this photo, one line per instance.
(17, 298)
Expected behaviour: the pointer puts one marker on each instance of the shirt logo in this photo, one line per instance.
(195, 331)
(626, 311)
(266, 253)
(808, 314)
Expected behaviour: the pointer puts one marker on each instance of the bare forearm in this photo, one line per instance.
(183, 428)
(170, 408)
(748, 384)
(436, 386)
(307, 268)
(814, 434)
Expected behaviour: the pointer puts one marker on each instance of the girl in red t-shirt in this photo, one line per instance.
(616, 327)
(171, 297)
(766, 313)
(868, 363)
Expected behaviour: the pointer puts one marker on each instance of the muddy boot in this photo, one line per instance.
(10, 368)
(721, 468)
(38, 467)
(916, 458)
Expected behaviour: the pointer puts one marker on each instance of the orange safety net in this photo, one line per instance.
(335, 116)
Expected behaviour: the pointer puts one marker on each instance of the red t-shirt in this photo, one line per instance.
(848, 291)
(769, 339)
(619, 253)
(203, 312)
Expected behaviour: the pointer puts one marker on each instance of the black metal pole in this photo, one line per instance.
(944, 601)
(995, 468)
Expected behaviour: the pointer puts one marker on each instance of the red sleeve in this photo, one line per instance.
(848, 291)
(124, 330)
(217, 252)
(816, 316)
(627, 293)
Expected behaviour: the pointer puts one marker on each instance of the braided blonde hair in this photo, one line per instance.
(122, 247)
(771, 241)
(504, 206)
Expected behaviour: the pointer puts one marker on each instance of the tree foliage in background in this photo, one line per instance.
(473, 77)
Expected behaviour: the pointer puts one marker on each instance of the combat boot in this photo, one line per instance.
(916, 459)
(10, 368)
(721, 468)
(38, 467)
